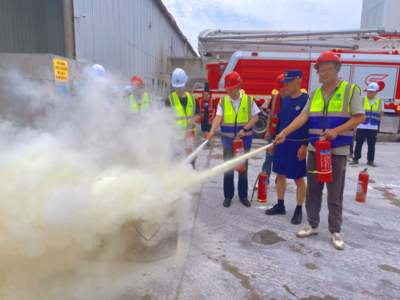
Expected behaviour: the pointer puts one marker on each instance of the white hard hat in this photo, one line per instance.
(128, 88)
(97, 71)
(179, 78)
(373, 87)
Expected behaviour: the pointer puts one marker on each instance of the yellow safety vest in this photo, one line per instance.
(182, 116)
(144, 106)
(373, 113)
(337, 114)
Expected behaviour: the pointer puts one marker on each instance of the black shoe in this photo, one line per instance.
(354, 162)
(245, 202)
(372, 164)
(276, 210)
(227, 202)
(297, 217)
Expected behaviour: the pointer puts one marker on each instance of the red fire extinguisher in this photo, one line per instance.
(191, 141)
(262, 187)
(238, 151)
(362, 186)
(324, 160)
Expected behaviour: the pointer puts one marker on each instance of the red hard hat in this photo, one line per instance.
(326, 56)
(280, 86)
(232, 80)
(136, 80)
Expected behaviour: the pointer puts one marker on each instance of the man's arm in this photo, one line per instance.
(296, 124)
(214, 126)
(350, 124)
(249, 124)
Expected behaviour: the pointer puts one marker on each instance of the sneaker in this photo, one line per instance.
(354, 162)
(297, 217)
(307, 231)
(245, 202)
(276, 210)
(372, 164)
(337, 241)
(227, 202)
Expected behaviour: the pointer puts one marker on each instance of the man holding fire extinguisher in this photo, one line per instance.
(333, 111)
(187, 113)
(238, 113)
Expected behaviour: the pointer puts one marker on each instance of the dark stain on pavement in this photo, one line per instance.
(244, 279)
(389, 269)
(267, 237)
(388, 195)
(371, 181)
(147, 297)
(317, 254)
(390, 285)
(352, 212)
(298, 250)
(301, 245)
(216, 156)
(319, 298)
(289, 291)
(311, 266)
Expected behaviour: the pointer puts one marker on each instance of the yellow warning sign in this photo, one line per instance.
(60, 70)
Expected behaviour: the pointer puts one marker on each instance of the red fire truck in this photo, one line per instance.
(367, 55)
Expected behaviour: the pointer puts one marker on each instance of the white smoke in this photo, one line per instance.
(72, 176)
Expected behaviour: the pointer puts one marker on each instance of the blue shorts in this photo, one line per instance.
(287, 163)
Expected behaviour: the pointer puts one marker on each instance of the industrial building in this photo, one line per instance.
(380, 13)
(133, 37)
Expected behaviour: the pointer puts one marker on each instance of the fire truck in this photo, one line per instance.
(367, 55)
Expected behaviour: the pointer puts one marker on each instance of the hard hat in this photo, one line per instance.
(128, 89)
(232, 80)
(136, 80)
(114, 89)
(279, 86)
(327, 56)
(373, 87)
(97, 71)
(179, 78)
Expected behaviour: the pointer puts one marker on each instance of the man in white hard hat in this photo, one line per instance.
(187, 113)
(373, 107)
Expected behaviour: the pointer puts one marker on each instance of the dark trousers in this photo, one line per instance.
(352, 144)
(370, 135)
(335, 192)
(229, 187)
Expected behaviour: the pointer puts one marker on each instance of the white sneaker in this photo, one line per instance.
(337, 241)
(307, 231)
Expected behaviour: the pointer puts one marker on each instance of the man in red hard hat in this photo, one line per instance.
(139, 100)
(237, 113)
(277, 95)
(333, 111)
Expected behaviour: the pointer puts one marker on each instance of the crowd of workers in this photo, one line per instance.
(296, 120)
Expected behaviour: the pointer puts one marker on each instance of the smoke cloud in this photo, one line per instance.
(74, 176)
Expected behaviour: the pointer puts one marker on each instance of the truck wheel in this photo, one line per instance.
(260, 127)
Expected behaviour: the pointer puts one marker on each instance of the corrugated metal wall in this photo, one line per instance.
(132, 36)
(34, 26)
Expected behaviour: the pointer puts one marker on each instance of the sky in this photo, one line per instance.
(195, 16)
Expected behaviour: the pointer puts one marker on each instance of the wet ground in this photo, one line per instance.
(241, 253)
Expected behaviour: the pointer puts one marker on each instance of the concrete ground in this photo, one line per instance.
(241, 253)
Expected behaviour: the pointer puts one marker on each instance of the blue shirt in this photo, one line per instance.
(288, 111)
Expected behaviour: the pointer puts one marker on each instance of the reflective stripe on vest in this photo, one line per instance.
(276, 99)
(210, 109)
(232, 123)
(372, 114)
(144, 106)
(182, 116)
(337, 114)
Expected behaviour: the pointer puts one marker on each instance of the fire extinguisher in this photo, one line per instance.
(362, 186)
(238, 151)
(324, 160)
(191, 141)
(262, 187)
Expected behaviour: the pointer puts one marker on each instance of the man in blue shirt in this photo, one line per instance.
(289, 158)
